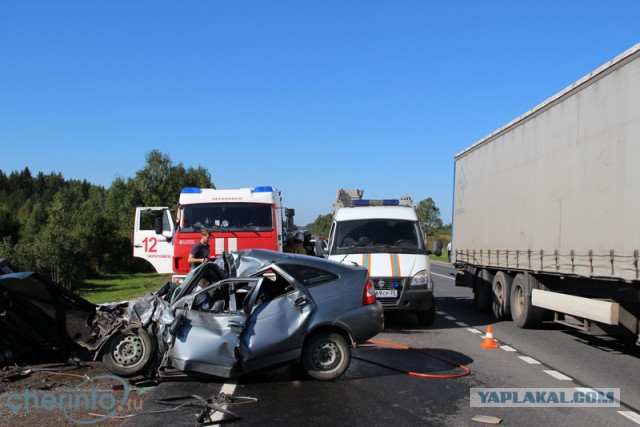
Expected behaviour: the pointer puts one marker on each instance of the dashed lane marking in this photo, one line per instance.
(462, 324)
(529, 360)
(449, 317)
(475, 331)
(631, 415)
(558, 375)
(508, 348)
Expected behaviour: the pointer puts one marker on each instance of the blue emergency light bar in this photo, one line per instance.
(383, 202)
(263, 189)
(191, 190)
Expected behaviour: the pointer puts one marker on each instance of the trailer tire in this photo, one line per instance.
(501, 295)
(482, 291)
(525, 315)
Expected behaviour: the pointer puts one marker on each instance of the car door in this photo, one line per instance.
(208, 342)
(277, 325)
(148, 244)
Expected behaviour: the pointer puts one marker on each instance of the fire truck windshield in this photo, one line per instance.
(226, 217)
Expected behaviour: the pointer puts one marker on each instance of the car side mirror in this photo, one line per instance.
(320, 250)
(437, 247)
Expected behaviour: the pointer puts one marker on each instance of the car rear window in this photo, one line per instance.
(308, 276)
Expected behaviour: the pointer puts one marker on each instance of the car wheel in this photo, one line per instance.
(326, 355)
(128, 354)
(426, 317)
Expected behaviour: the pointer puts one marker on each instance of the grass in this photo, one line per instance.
(446, 238)
(120, 287)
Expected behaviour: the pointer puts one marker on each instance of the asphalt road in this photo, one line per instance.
(377, 390)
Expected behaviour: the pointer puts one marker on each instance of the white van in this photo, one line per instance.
(385, 237)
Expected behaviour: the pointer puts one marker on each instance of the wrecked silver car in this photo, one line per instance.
(246, 311)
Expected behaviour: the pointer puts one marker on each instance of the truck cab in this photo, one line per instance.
(385, 237)
(237, 219)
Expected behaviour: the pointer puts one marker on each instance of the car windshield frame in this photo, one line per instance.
(235, 217)
(378, 235)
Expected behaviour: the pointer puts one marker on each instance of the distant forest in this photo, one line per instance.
(71, 230)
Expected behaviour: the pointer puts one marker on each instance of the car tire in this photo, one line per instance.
(128, 353)
(326, 355)
(426, 317)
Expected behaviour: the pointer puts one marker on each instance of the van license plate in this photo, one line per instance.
(386, 293)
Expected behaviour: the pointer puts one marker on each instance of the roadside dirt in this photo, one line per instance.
(67, 394)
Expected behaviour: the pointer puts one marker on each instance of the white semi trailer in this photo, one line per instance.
(547, 208)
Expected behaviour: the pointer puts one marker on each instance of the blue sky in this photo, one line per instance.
(306, 96)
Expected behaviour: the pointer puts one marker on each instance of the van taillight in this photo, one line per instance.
(369, 296)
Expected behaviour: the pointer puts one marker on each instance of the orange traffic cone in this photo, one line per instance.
(489, 342)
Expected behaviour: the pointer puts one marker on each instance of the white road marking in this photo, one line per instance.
(449, 317)
(631, 415)
(442, 275)
(530, 360)
(558, 375)
(441, 313)
(508, 348)
(227, 388)
(462, 324)
(475, 331)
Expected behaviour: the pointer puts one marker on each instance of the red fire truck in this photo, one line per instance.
(237, 219)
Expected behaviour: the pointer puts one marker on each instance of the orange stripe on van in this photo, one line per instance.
(395, 265)
(366, 262)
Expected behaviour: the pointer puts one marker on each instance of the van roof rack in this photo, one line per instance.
(350, 198)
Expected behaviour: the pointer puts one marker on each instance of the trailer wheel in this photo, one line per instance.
(501, 295)
(524, 314)
(482, 291)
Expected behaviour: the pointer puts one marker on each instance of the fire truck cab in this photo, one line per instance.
(237, 219)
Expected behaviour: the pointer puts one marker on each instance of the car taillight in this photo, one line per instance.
(369, 296)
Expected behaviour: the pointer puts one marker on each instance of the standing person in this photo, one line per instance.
(294, 245)
(200, 251)
(449, 251)
(307, 245)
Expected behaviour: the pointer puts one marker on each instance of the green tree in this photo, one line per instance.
(61, 253)
(9, 226)
(429, 215)
(321, 226)
(159, 183)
